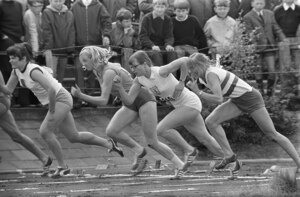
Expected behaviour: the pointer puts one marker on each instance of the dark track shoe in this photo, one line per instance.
(225, 162)
(115, 148)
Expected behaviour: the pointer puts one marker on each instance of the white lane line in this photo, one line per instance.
(7, 181)
(129, 184)
(19, 189)
(213, 183)
(72, 191)
(58, 182)
(167, 190)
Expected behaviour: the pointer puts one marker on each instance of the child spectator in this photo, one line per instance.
(156, 34)
(264, 20)
(220, 29)
(58, 36)
(32, 22)
(92, 27)
(187, 42)
(124, 36)
(287, 16)
(146, 6)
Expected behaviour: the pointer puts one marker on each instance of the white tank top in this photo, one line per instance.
(38, 90)
(231, 85)
(164, 87)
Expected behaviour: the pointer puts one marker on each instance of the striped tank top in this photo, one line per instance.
(231, 85)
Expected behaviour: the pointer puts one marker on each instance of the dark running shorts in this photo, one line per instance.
(143, 97)
(249, 102)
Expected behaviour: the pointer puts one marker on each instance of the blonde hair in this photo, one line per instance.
(199, 61)
(98, 55)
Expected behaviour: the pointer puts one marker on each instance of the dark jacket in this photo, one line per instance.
(237, 8)
(268, 29)
(91, 23)
(58, 30)
(11, 20)
(156, 31)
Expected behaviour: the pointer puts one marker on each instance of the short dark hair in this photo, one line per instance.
(222, 3)
(33, 2)
(20, 50)
(141, 57)
(123, 14)
(182, 4)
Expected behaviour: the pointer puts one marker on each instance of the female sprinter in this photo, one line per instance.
(187, 112)
(242, 99)
(50, 92)
(144, 106)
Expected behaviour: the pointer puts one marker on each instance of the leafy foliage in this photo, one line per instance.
(241, 60)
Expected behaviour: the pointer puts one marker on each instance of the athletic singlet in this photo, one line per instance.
(122, 72)
(231, 85)
(164, 87)
(38, 90)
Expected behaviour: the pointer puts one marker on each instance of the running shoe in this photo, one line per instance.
(237, 166)
(46, 167)
(225, 162)
(180, 172)
(138, 160)
(115, 148)
(141, 167)
(191, 157)
(60, 171)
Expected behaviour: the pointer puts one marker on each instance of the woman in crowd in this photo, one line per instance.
(242, 99)
(50, 92)
(144, 106)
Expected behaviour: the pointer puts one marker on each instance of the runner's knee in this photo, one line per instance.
(110, 132)
(210, 122)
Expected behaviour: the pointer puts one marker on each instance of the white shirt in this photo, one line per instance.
(286, 6)
(26, 81)
(86, 2)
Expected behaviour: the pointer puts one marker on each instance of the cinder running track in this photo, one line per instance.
(153, 182)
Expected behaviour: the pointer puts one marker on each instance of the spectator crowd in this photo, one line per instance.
(57, 30)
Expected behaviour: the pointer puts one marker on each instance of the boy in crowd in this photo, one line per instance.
(32, 22)
(156, 34)
(287, 16)
(264, 20)
(124, 36)
(220, 29)
(58, 36)
(187, 42)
